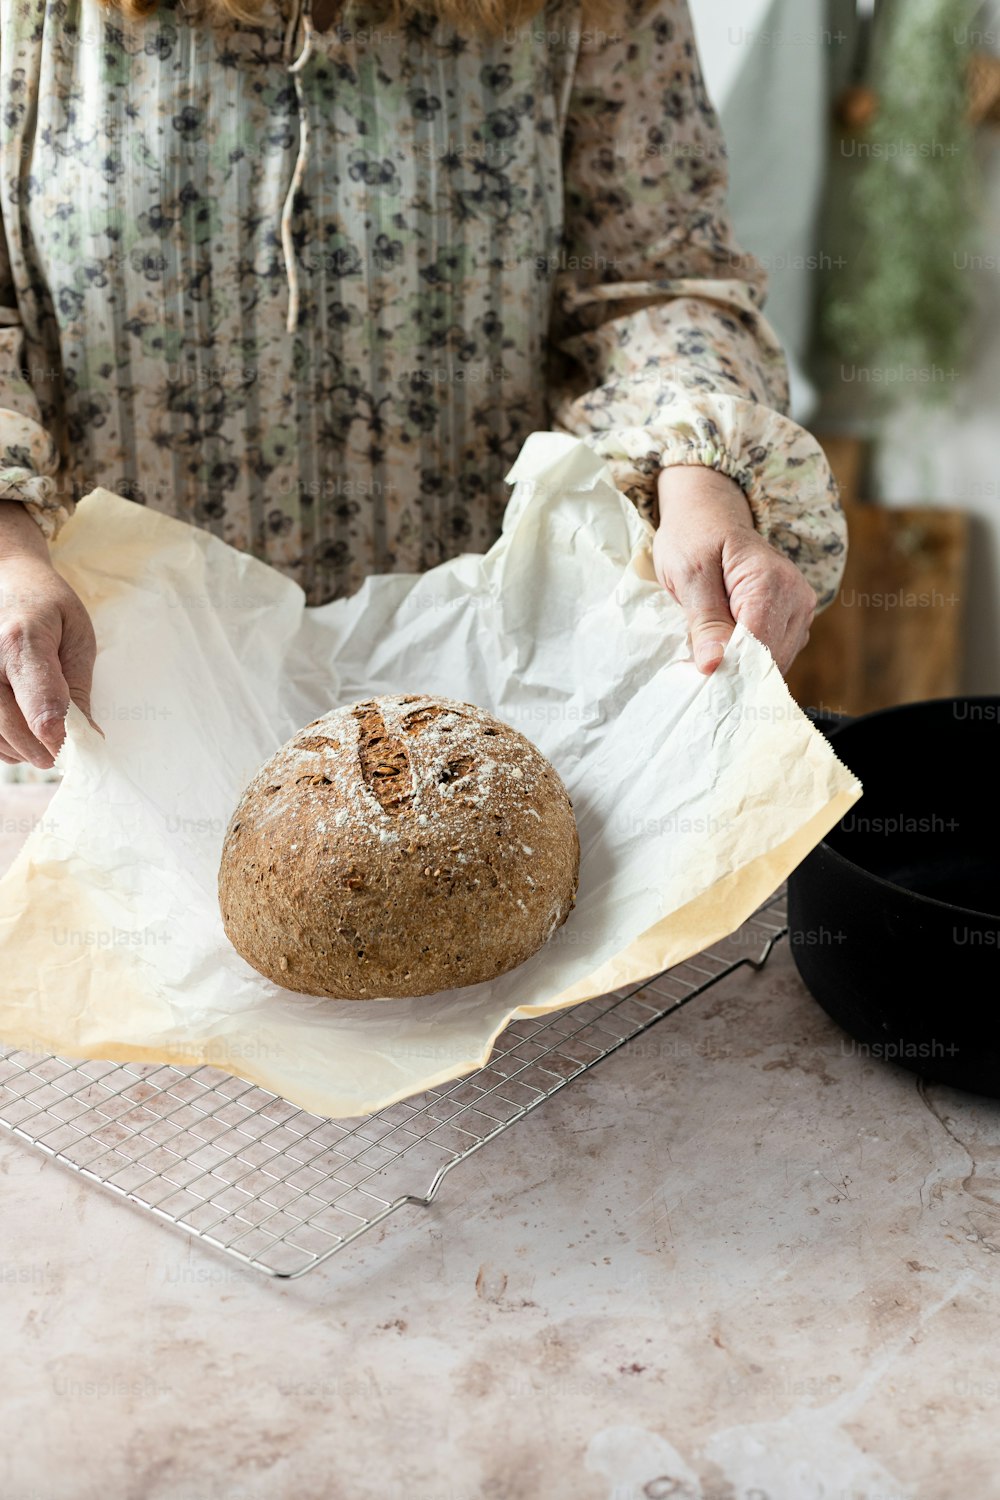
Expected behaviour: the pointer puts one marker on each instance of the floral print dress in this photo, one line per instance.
(311, 290)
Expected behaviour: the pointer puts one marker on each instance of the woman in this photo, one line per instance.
(310, 283)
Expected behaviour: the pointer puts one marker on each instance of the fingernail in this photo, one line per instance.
(710, 653)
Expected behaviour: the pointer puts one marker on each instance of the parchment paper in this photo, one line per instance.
(695, 796)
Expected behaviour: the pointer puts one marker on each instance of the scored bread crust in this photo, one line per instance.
(396, 847)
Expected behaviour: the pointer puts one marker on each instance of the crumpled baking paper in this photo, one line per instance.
(695, 796)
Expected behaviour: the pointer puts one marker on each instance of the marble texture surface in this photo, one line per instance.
(737, 1261)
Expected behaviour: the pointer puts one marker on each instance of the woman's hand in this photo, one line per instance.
(708, 555)
(47, 644)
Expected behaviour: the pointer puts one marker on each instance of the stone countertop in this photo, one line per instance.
(736, 1261)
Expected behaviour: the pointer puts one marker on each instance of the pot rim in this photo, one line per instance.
(869, 875)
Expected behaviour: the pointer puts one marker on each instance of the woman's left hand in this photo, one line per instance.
(708, 555)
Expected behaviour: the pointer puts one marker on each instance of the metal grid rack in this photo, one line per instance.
(282, 1190)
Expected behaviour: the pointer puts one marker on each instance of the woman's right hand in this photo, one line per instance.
(47, 644)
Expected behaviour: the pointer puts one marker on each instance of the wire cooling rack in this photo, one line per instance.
(282, 1190)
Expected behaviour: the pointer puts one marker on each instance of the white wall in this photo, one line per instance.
(765, 65)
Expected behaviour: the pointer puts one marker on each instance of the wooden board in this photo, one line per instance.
(895, 633)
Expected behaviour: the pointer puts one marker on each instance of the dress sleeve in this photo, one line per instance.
(661, 354)
(29, 455)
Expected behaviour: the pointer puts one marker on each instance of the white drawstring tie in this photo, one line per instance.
(288, 248)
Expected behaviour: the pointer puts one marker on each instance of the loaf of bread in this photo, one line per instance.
(397, 847)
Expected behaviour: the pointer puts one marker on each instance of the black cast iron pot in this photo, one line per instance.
(894, 919)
